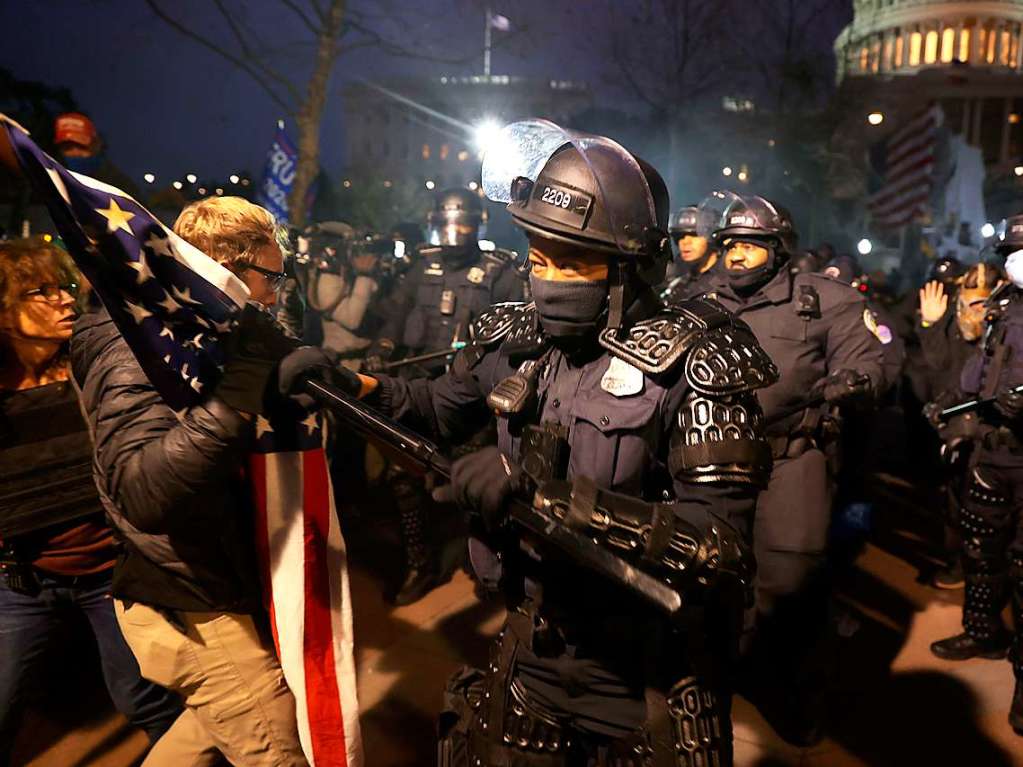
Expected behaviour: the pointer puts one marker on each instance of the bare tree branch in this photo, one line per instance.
(206, 43)
(251, 57)
(303, 16)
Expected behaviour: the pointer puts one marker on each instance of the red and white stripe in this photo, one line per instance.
(909, 170)
(305, 573)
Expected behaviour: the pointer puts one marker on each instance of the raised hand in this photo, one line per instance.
(933, 302)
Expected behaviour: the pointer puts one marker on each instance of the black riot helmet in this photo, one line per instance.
(455, 219)
(581, 189)
(1012, 238)
(587, 191)
(692, 219)
(759, 220)
(946, 270)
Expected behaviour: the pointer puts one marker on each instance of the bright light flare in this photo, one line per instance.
(191, 178)
(233, 178)
(988, 230)
(177, 185)
(149, 177)
(726, 171)
(875, 118)
(485, 134)
(864, 246)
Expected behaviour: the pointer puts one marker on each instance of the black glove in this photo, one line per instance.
(482, 482)
(846, 387)
(313, 362)
(252, 351)
(379, 352)
(1009, 405)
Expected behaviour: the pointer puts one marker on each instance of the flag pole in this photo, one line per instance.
(486, 43)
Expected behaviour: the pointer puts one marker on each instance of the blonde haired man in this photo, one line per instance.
(187, 585)
(241, 236)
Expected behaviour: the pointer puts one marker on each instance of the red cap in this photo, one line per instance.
(74, 128)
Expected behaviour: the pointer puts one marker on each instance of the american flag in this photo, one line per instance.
(172, 304)
(905, 160)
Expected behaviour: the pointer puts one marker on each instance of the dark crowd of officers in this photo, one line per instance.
(591, 363)
(691, 404)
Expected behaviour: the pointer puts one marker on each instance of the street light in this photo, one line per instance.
(191, 178)
(430, 184)
(864, 246)
(726, 171)
(177, 185)
(149, 177)
(988, 230)
(742, 176)
(1018, 170)
(233, 178)
(473, 186)
(875, 118)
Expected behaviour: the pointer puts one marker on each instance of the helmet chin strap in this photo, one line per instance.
(618, 276)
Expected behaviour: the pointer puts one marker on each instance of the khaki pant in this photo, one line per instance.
(236, 700)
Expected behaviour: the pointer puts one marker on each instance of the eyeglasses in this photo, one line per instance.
(274, 279)
(51, 292)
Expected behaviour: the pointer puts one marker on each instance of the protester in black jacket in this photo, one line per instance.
(187, 587)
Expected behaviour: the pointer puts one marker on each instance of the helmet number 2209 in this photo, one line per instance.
(556, 197)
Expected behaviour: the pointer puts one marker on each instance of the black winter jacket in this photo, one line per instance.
(174, 488)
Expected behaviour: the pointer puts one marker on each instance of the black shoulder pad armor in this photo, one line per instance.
(493, 324)
(728, 360)
(657, 344)
(501, 256)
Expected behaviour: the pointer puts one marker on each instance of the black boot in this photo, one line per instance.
(963, 647)
(417, 584)
(421, 571)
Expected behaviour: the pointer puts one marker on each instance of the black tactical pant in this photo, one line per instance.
(783, 663)
(992, 531)
(491, 718)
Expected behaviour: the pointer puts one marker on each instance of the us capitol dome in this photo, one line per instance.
(896, 37)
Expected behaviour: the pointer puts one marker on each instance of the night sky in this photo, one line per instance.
(166, 105)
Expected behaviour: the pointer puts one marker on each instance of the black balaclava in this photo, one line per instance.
(746, 282)
(569, 308)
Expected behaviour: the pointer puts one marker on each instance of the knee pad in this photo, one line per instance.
(701, 735)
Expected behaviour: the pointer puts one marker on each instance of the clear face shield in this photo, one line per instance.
(452, 229)
(583, 190)
(605, 198)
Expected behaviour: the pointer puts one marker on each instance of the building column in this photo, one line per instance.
(1003, 149)
(975, 49)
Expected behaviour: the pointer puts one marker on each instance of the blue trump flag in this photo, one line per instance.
(278, 175)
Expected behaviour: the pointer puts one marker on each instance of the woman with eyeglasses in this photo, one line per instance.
(56, 553)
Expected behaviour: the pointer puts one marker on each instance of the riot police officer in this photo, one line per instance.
(451, 282)
(816, 331)
(691, 228)
(992, 551)
(639, 420)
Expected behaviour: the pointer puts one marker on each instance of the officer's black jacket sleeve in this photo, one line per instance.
(851, 346)
(508, 286)
(394, 309)
(450, 408)
(725, 498)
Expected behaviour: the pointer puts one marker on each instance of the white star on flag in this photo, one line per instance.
(169, 304)
(312, 422)
(161, 245)
(137, 312)
(142, 267)
(167, 333)
(183, 296)
(262, 427)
